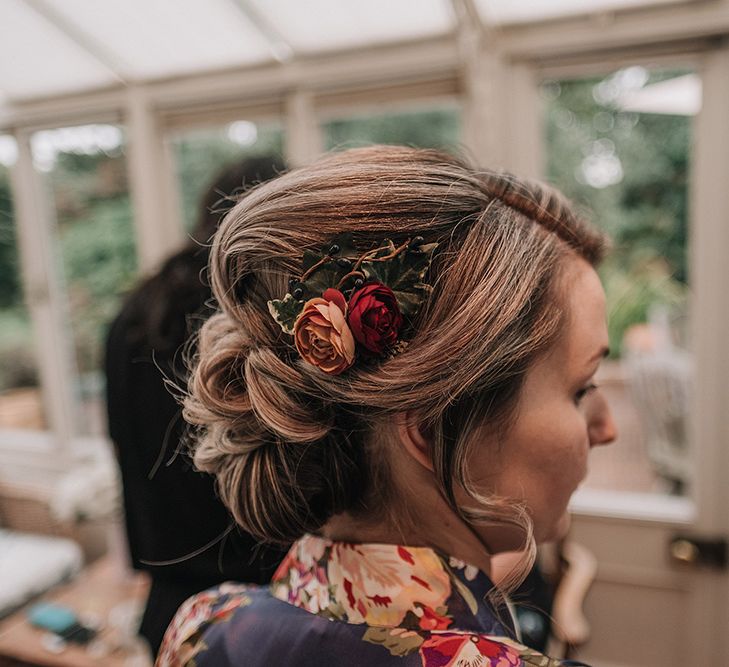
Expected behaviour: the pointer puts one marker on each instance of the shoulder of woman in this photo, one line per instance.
(184, 637)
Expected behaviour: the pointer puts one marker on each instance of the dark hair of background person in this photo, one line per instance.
(159, 308)
(172, 512)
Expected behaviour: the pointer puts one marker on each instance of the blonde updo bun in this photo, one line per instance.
(290, 445)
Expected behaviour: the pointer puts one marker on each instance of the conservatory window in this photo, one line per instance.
(85, 177)
(21, 404)
(620, 146)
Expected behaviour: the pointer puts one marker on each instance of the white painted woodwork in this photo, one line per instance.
(303, 136)
(44, 295)
(157, 227)
(524, 150)
(709, 277)
(611, 31)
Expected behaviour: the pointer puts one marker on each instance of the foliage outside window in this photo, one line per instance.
(86, 175)
(629, 168)
(20, 399)
(201, 154)
(630, 171)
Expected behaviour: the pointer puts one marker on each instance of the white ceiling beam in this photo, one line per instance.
(111, 61)
(406, 63)
(611, 31)
(471, 32)
(467, 14)
(280, 48)
(99, 106)
(349, 69)
(444, 91)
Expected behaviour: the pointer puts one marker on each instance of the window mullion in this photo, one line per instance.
(303, 136)
(43, 293)
(158, 227)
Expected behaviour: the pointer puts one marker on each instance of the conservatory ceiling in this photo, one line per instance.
(55, 47)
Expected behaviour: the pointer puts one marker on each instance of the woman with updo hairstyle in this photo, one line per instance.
(399, 380)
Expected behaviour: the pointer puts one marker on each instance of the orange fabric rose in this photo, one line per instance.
(322, 335)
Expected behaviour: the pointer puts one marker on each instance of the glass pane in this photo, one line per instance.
(21, 405)
(619, 145)
(85, 171)
(201, 154)
(427, 128)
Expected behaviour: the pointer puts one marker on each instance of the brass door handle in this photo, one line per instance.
(684, 551)
(699, 551)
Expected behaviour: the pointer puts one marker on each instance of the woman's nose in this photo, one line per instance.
(601, 427)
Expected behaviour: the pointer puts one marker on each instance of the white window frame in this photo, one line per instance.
(631, 506)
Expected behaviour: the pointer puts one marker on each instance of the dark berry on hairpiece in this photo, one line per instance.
(347, 300)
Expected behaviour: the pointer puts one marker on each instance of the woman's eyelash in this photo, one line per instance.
(584, 391)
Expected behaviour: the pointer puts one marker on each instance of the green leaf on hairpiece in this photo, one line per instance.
(403, 274)
(346, 249)
(326, 276)
(329, 273)
(285, 311)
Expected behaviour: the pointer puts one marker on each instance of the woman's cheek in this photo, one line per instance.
(582, 454)
(574, 463)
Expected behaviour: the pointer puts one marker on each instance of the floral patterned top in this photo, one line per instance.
(334, 603)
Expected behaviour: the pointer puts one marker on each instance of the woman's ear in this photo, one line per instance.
(412, 439)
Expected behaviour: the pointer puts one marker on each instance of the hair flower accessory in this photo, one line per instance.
(321, 334)
(349, 303)
(374, 317)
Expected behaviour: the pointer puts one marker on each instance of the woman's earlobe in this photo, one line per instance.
(413, 440)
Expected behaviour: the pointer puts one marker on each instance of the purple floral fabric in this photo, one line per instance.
(333, 603)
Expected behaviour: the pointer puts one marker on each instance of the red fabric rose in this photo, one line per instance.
(374, 317)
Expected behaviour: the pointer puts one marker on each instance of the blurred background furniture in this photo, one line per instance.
(576, 571)
(549, 603)
(660, 374)
(113, 600)
(45, 508)
(31, 564)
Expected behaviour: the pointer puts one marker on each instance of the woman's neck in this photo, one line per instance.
(434, 524)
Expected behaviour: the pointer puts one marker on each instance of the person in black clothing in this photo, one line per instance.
(177, 527)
